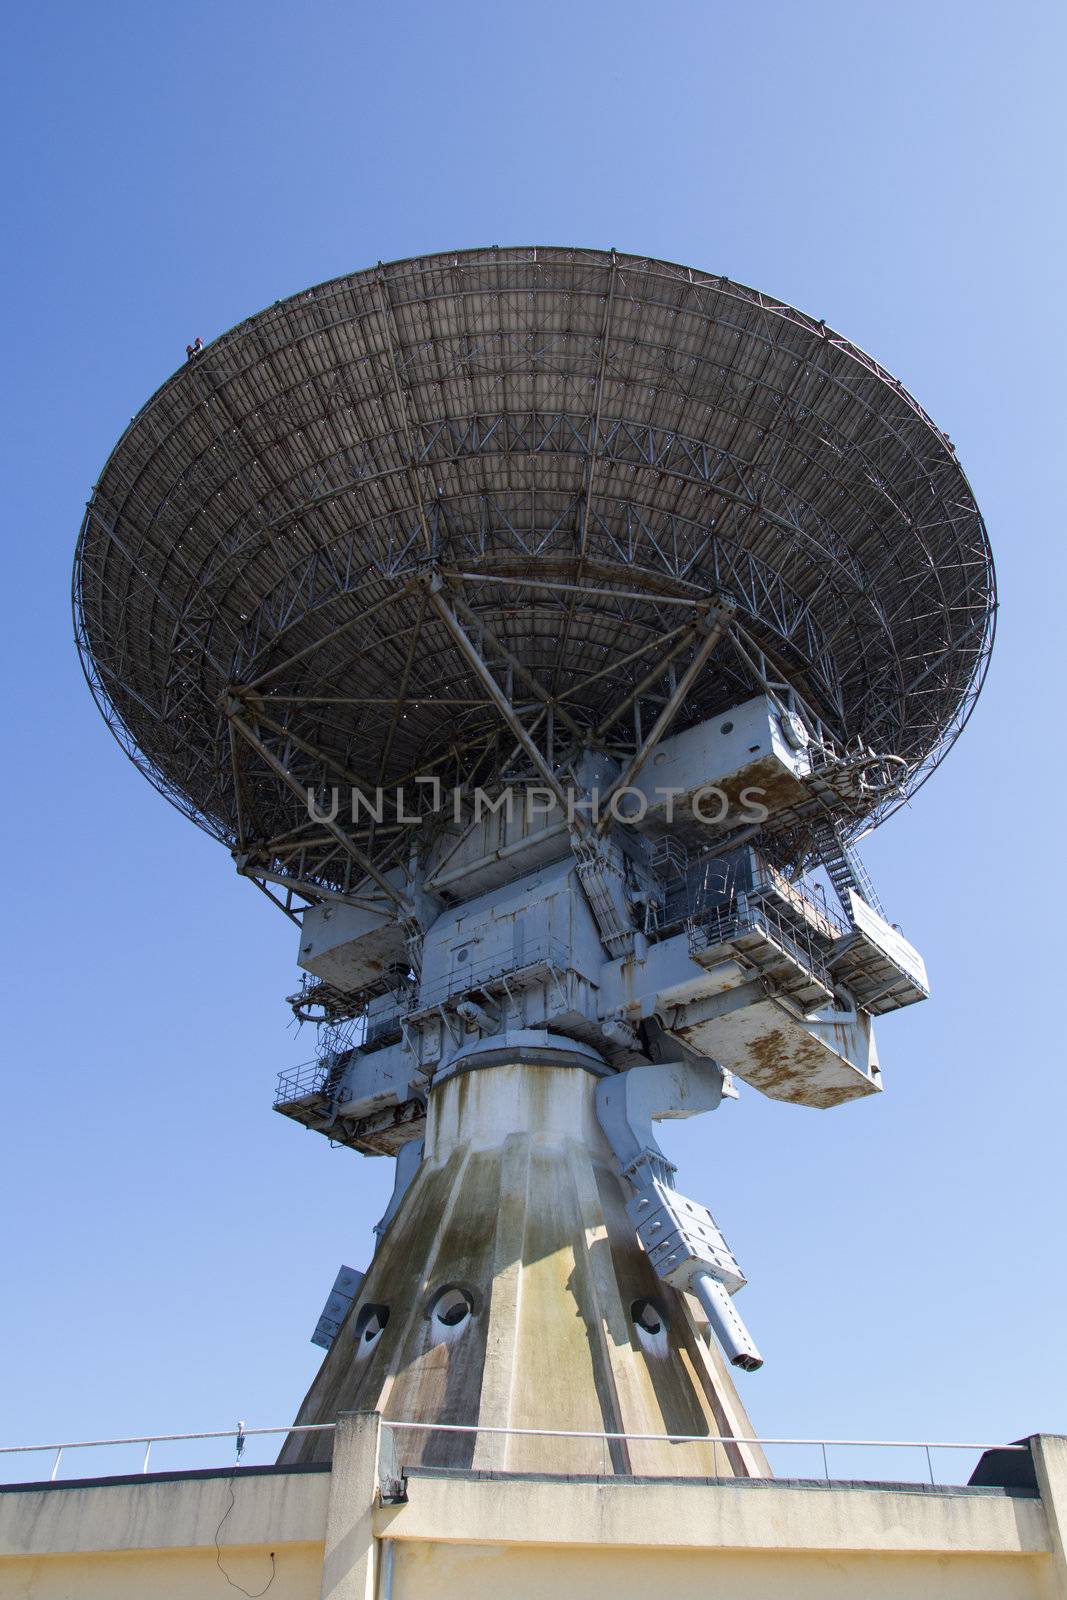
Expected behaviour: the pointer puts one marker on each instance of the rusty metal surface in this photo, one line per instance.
(784, 1057)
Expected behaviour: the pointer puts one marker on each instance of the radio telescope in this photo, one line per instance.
(539, 629)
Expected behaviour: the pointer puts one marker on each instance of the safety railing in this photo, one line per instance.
(755, 914)
(502, 971)
(299, 1083)
(396, 1457)
(147, 1441)
(714, 885)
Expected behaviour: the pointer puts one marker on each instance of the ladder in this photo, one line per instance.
(844, 867)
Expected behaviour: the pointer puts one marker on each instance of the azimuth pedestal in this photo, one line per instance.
(510, 1291)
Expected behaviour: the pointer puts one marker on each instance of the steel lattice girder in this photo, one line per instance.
(589, 448)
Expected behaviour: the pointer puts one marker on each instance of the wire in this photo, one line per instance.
(252, 1594)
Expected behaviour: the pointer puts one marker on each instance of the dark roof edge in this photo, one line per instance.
(951, 1490)
(270, 1470)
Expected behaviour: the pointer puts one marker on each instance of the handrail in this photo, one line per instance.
(533, 1432)
(149, 1439)
(166, 1438)
(698, 1438)
(824, 1445)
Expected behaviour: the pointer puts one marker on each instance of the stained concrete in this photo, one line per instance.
(517, 1200)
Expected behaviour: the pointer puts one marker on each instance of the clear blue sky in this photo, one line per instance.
(896, 169)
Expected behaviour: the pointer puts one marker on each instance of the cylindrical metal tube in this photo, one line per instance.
(737, 1342)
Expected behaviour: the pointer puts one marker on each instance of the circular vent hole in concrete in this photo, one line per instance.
(650, 1321)
(370, 1325)
(450, 1309)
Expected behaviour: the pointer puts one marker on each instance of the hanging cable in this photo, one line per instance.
(252, 1594)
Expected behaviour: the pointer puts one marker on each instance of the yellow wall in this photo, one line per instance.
(162, 1575)
(525, 1572)
(544, 1572)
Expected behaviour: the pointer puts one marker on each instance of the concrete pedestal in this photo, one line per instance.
(517, 1213)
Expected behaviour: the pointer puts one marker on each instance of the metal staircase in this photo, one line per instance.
(844, 867)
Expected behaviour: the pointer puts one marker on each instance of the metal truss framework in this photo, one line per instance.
(448, 516)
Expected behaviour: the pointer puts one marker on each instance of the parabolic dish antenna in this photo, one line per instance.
(604, 537)
(585, 451)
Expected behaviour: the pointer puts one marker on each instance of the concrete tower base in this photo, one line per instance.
(510, 1291)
